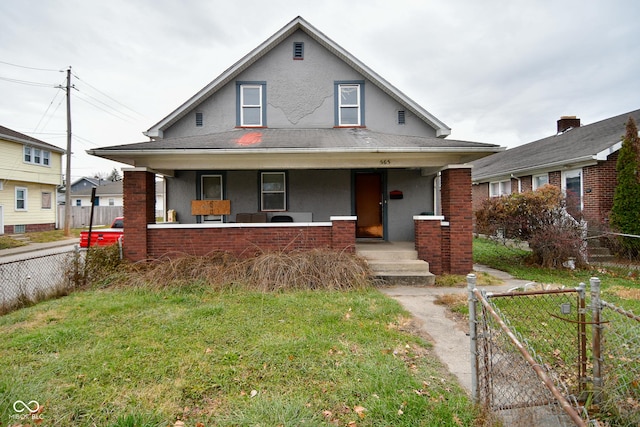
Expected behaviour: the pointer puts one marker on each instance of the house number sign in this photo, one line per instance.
(385, 162)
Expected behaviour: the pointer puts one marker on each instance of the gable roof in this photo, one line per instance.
(14, 136)
(587, 143)
(298, 23)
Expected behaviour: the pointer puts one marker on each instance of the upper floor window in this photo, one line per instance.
(540, 180)
(349, 103)
(36, 156)
(501, 188)
(251, 99)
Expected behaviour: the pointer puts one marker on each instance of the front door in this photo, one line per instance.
(369, 205)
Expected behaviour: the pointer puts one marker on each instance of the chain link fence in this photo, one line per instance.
(32, 279)
(547, 357)
(620, 364)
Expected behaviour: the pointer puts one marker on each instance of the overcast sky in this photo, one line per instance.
(499, 72)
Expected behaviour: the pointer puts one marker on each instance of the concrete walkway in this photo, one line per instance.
(451, 343)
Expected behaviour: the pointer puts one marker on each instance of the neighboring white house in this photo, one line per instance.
(30, 172)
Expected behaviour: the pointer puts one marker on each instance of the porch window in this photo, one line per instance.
(540, 180)
(21, 199)
(349, 103)
(500, 188)
(251, 101)
(273, 191)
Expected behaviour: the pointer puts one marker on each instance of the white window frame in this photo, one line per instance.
(36, 156)
(534, 179)
(24, 199)
(244, 106)
(27, 154)
(357, 106)
(264, 192)
(503, 189)
(574, 173)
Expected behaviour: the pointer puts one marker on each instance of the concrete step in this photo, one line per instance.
(397, 264)
(391, 254)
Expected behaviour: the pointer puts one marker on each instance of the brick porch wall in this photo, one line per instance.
(142, 242)
(249, 240)
(599, 187)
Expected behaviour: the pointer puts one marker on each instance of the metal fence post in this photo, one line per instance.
(596, 307)
(582, 336)
(471, 285)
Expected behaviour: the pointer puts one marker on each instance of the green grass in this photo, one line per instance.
(8, 243)
(515, 262)
(136, 357)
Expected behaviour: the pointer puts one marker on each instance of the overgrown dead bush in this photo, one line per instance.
(539, 218)
(269, 271)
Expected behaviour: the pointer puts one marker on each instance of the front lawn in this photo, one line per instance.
(140, 357)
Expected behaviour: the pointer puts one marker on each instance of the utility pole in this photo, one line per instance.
(67, 185)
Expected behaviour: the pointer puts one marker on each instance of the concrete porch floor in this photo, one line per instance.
(396, 263)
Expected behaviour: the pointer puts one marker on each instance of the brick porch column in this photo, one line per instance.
(139, 196)
(455, 196)
(343, 233)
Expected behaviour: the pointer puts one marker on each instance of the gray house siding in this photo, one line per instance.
(323, 193)
(299, 94)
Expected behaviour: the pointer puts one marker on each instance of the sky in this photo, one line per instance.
(495, 71)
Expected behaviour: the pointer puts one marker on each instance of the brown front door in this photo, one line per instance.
(369, 205)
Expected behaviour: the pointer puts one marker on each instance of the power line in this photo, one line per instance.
(104, 94)
(31, 68)
(105, 104)
(26, 82)
(47, 110)
(102, 109)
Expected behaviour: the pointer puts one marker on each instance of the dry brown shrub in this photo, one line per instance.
(268, 271)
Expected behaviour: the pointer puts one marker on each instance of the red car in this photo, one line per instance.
(104, 236)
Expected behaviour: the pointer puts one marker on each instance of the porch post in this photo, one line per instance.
(429, 236)
(139, 210)
(457, 209)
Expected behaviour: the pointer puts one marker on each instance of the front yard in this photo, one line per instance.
(141, 357)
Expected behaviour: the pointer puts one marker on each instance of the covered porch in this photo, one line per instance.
(444, 241)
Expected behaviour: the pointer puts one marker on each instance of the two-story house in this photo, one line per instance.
(300, 145)
(30, 172)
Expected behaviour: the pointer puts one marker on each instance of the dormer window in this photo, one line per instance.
(251, 99)
(349, 103)
(298, 50)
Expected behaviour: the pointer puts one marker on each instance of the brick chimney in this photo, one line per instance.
(567, 122)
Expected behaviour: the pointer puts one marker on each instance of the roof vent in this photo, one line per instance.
(567, 123)
(298, 50)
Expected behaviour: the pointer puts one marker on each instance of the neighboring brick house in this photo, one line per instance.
(580, 159)
(300, 131)
(30, 173)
